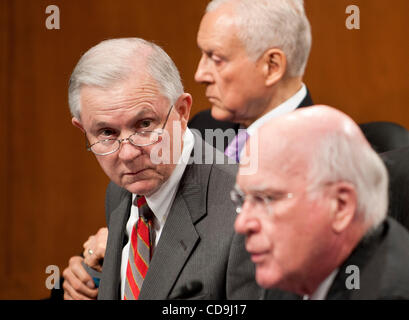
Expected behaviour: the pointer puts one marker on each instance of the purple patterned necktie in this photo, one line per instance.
(233, 150)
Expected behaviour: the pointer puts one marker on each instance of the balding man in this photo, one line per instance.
(170, 222)
(314, 213)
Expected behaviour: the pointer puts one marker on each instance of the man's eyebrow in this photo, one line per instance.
(258, 189)
(139, 114)
(263, 189)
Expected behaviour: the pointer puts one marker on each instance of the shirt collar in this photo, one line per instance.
(161, 201)
(286, 107)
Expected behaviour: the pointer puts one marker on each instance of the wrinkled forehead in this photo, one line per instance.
(211, 25)
(122, 100)
(138, 84)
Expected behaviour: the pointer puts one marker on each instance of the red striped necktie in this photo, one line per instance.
(140, 251)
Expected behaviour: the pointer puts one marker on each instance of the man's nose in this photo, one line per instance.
(246, 222)
(128, 151)
(203, 74)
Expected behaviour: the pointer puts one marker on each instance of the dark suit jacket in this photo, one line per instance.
(197, 243)
(397, 163)
(383, 263)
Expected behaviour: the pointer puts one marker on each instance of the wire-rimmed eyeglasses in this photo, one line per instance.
(138, 139)
(238, 197)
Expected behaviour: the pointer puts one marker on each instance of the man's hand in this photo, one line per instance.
(78, 284)
(94, 249)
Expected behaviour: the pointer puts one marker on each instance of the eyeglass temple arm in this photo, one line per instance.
(87, 144)
(167, 117)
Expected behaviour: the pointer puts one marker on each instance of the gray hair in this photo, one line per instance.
(264, 24)
(112, 61)
(338, 157)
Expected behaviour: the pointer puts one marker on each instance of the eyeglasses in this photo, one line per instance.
(263, 201)
(139, 139)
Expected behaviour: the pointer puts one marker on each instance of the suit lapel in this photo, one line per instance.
(110, 282)
(307, 101)
(179, 236)
(176, 243)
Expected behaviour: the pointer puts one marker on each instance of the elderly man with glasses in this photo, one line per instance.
(314, 214)
(170, 223)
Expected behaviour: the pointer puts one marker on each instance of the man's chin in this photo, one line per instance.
(266, 278)
(143, 187)
(221, 114)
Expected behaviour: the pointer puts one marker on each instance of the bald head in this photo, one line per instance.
(301, 132)
(313, 122)
(319, 189)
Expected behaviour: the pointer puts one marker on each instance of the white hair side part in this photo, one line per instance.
(338, 157)
(111, 61)
(265, 24)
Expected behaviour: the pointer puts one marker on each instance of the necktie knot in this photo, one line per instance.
(144, 211)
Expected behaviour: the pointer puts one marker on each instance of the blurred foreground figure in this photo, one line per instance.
(314, 214)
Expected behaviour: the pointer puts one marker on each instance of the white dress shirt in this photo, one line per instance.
(286, 107)
(160, 203)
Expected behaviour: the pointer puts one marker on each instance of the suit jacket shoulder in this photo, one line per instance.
(381, 262)
(396, 162)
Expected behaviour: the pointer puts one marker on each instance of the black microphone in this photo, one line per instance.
(263, 295)
(189, 290)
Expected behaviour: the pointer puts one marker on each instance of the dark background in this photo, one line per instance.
(52, 190)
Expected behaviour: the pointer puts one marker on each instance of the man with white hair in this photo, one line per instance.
(314, 214)
(254, 54)
(170, 224)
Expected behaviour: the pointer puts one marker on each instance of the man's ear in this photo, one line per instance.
(77, 123)
(183, 106)
(274, 66)
(343, 205)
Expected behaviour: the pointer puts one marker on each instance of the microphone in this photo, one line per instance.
(189, 290)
